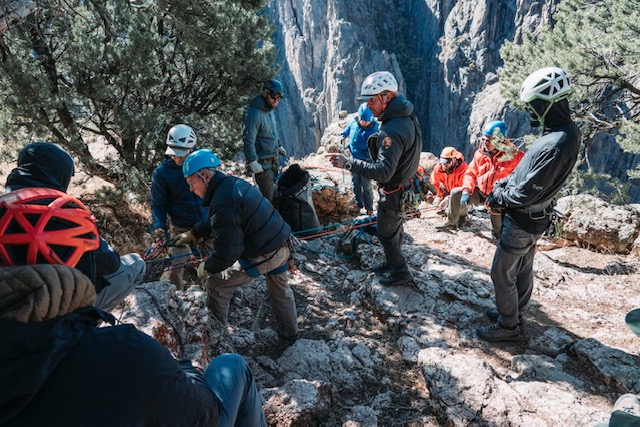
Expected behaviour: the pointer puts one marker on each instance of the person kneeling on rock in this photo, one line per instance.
(58, 368)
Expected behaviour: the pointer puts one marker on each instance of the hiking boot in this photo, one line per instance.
(446, 227)
(288, 341)
(396, 278)
(492, 314)
(497, 332)
(380, 269)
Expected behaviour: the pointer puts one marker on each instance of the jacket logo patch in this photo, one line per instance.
(387, 142)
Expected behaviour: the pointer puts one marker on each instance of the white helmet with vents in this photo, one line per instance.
(549, 84)
(180, 140)
(376, 83)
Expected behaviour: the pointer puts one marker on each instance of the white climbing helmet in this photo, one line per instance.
(549, 84)
(376, 83)
(180, 140)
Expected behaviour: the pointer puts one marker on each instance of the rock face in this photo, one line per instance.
(444, 53)
(408, 355)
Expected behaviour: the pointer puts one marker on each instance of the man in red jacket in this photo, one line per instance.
(495, 160)
(447, 175)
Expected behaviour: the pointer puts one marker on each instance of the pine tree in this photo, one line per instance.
(596, 42)
(126, 71)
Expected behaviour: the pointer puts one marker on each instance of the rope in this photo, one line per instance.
(166, 319)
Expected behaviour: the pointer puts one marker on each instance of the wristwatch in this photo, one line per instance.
(347, 165)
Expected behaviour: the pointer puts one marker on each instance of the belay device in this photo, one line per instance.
(294, 200)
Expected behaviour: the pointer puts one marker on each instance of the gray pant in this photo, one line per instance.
(362, 191)
(220, 287)
(512, 271)
(122, 282)
(455, 211)
(180, 255)
(266, 180)
(390, 230)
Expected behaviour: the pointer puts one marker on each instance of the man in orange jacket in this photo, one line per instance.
(447, 175)
(495, 160)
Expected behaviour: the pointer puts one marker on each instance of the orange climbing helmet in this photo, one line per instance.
(44, 226)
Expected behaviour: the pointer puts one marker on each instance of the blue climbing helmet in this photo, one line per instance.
(491, 128)
(274, 88)
(199, 159)
(365, 113)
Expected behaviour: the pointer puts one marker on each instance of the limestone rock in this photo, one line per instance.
(595, 223)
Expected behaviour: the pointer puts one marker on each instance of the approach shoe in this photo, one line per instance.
(497, 332)
(628, 403)
(380, 269)
(492, 314)
(396, 278)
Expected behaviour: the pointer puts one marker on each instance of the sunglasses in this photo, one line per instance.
(275, 95)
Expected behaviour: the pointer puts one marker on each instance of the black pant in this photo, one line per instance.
(390, 229)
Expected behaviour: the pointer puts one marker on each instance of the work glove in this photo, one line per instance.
(186, 238)
(282, 151)
(436, 201)
(256, 167)
(202, 273)
(160, 234)
(464, 199)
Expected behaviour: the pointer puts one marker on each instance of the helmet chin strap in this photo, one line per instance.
(538, 120)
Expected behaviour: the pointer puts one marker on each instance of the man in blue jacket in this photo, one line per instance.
(358, 131)
(170, 197)
(250, 239)
(527, 196)
(398, 146)
(47, 165)
(59, 369)
(260, 137)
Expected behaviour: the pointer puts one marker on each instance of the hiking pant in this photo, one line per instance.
(266, 180)
(390, 230)
(362, 191)
(455, 210)
(231, 380)
(512, 271)
(122, 282)
(220, 287)
(180, 255)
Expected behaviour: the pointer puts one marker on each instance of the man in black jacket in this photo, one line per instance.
(526, 198)
(250, 239)
(47, 165)
(58, 368)
(399, 144)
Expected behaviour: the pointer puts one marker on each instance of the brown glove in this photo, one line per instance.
(186, 238)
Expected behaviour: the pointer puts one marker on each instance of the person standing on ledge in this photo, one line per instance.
(398, 147)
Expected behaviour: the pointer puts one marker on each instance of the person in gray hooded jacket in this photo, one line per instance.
(260, 137)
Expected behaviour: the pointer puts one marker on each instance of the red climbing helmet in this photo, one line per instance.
(44, 226)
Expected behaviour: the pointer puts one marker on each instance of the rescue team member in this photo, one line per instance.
(494, 160)
(527, 198)
(447, 175)
(398, 147)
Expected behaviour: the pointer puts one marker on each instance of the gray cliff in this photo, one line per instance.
(445, 55)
